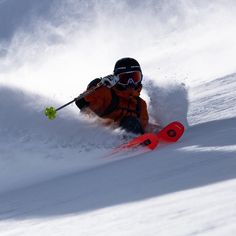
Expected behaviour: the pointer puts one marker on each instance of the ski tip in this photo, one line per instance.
(172, 132)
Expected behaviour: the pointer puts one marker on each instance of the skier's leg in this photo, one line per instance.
(131, 124)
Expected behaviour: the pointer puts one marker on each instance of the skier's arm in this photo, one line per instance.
(97, 101)
(97, 98)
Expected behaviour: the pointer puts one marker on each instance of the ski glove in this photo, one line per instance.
(81, 103)
(110, 80)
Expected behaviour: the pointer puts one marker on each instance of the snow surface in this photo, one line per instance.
(56, 177)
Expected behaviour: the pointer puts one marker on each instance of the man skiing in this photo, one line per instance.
(118, 98)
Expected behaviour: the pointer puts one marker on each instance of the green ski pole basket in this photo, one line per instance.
(50, 112)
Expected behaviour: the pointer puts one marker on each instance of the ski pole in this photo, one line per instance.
(51, 112)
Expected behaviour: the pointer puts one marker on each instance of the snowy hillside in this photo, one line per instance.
(55, 177)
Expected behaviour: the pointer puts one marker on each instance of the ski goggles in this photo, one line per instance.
(132, 77)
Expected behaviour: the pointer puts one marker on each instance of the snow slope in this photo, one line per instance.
(55, 178)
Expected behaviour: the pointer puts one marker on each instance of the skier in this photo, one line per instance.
(117, 101)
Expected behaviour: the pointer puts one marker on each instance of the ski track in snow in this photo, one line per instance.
(213, 100)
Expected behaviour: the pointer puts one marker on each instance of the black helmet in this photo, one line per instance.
(126, 64)
(131, 67)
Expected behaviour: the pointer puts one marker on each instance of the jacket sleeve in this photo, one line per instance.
(98, 100)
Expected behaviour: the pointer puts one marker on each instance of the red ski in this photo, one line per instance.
(169, 134)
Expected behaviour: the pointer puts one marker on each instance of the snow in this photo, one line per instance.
(56, 177)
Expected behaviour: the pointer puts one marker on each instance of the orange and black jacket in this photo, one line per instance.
(115, 104)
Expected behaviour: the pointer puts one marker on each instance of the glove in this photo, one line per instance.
(110, 80)
(81, 103)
